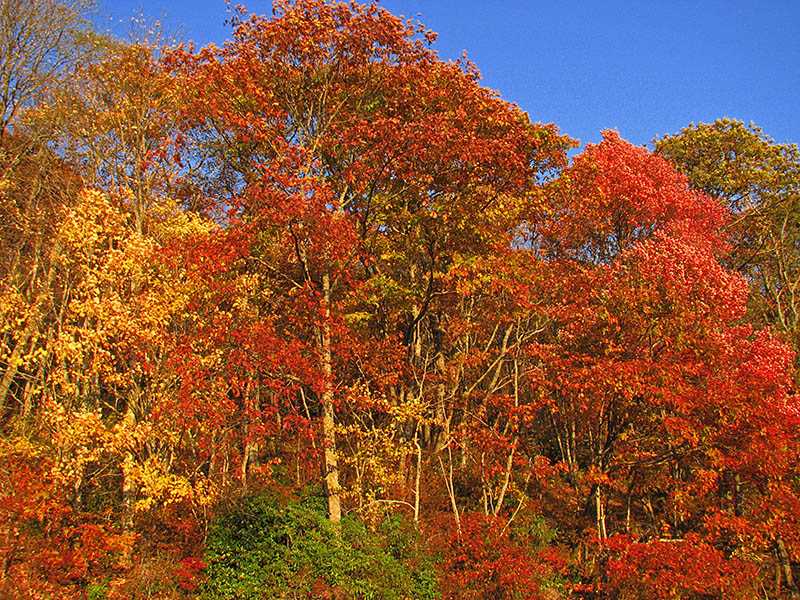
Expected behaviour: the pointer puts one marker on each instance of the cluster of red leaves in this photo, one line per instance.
(49, 548)
(485, 560)
(685, 568)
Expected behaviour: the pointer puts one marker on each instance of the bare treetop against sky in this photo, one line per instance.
(643, 69)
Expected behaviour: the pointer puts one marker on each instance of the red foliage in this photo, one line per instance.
(485, 561)
(678, 569)
(189, 573)
(48, 548)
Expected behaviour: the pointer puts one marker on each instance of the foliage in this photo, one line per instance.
(39, 43)
(489, 559)
(50, 548)
(321, 258)
(759, 180)
(259, 547)
(686, 568)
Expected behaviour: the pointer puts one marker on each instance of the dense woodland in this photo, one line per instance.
(313, 314)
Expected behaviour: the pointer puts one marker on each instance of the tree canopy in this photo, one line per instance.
(314, 314)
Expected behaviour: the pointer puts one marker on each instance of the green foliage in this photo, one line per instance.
(262, 549)
(97, 591)
(732, 161)
(532, 526)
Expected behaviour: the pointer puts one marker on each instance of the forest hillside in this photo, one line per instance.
(313, 314)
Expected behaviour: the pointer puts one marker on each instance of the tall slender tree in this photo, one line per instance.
(350, 145)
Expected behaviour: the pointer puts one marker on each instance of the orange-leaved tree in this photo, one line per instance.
(654, 401)
(356, 163)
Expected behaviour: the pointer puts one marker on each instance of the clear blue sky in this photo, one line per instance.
(645, 68)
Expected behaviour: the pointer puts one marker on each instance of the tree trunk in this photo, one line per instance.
(451, 489)
(330, 464)
(13, 362)
(250, 455)
(128, 486)
(600, 512)
(786, 568)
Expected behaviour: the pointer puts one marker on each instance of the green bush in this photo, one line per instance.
(263, 549)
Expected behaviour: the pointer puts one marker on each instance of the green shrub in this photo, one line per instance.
(263, 549)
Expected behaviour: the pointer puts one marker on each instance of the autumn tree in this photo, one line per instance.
(39, 42)
(321, 247)
(654, 398)
(758, 179)
(92, 302)
(355, 174)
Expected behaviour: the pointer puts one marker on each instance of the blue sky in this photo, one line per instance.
(644, 68)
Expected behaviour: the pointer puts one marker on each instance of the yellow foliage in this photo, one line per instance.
(78, 437)
(375, 452)
(159, 486)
